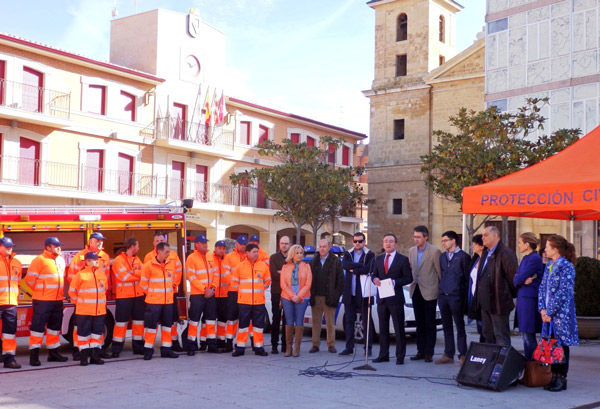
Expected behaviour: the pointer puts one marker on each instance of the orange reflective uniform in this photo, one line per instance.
(251, 280)
(10, 275)
(263, 256)
(200, 272)
(88, 291)
(230, 262)
(128, 272)
(78, 263)
(45, 277)
(220, 290)
(157, 281)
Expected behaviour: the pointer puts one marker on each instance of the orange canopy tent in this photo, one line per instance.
(565, 186)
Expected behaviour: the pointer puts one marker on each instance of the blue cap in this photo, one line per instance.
(97, 235)
(254, 238)
(200, 239)
(90, 255)
(52, 241)
(6, 242)
(242, 239)
(220, 243)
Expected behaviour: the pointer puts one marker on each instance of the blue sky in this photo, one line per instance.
(308, 57)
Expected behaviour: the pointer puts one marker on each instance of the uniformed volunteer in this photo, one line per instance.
(45, 277)
(221, 290)
(230, 262)
(88, 292)
(10, 275)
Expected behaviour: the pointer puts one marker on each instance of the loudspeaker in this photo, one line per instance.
(491, 366)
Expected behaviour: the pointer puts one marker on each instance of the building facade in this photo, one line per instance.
(138, 129)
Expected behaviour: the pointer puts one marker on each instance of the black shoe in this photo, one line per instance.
(261, 352)
(428, 358)
(381, 359)
(116, 355)
(95, 359)
(399, 361)
(54, 356)
(34, 357)
(104, 354)
(12, 365)
(139, 352)
(274, 350)
(76, 354)
(147, 356)
(228, 346)
(417, 357)
(346, 352)
(557, 384)
(176, 347)
(191, 353)
(313, 350)
(169, 354)
(238, 352)
(213, 350)
(84, 357)
(203, 346)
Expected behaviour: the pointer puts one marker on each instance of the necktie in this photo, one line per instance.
(385, 263)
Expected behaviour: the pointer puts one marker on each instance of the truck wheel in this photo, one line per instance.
(109, 326)
(69, 335)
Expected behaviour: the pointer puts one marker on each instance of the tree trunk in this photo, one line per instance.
(505, 230)
(298, 234)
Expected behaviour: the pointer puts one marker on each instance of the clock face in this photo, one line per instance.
(191, 65)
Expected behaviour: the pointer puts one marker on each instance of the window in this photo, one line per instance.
(29, 162)
(245, 132)
(396, 206)
(96, 99)
(33, 87)
(401, 65)
(2, 78)
(179, 121)
(501, 104)
(94, 170)
(345, 156)
(177, 176)
(398, 129)
(331, 156)
(202, 183)
(402, 29)
(125, 174)
(127, 106)
(498, 25)
(442, 59)
(295, 137)
(263, 134)
(244, 191)
(442, 29)
(310, 141)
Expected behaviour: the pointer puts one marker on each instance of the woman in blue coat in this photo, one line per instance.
(527, 280)
(556, 302)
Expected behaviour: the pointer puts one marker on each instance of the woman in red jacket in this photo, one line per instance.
(296, 279)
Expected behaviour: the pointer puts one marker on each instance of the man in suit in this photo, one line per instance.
(357, 264)
(425, 263)
(391, 265)
(495, 289)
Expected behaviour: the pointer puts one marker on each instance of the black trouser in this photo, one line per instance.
(495, 328)
(154, 314)
(8, 314)
(89, 330)
(451, 309)
(385, 310)
(364, 313)
(425, 321)
(350, 310)
(256, 315)
(126, 308)
(276, 324)
(200, 306)
(46, 314)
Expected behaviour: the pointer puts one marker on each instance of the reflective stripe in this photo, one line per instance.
(32, 273)
(8, 336)
(125, 284)
(257, 330)
(137, 322)
(5, 288)
(36, 334)
(48, 276)
(247, 280)
(126, 277)
(91, 290)
(52, 332)
(120, 324)
(88, 301)
(243, 329)
(151, 330)
(160, 290)
(41, 285)
(256, 290)
(159, 280)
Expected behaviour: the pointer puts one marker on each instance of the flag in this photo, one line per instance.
(207, 112)
(214, 109)
(221, 108)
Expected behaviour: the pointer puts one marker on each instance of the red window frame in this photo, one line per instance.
(263, 134)
(310, 141)
(202, 183)
(128, 106)
(33, 90)
(125, 174)
(295, 137)
(96, 99)
(29, 162)
(180, 121)
(245, 132)
(345, 156)
(331, 156)
(94, 170)
(177, 180)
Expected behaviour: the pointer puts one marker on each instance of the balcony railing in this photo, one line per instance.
(77, 178)
(197, 133)
(30, 98)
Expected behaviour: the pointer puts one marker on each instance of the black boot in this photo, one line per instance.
(54, 356)
(9, 361)
(76, 354)
(104, 354)
(148, 352)
(229, 345)
(560, 384)
(138, 347)
(239, 351)
(84, 356)
(203, 345)
(34, 357)
(96, 360)
(221, 345)
(176, 347)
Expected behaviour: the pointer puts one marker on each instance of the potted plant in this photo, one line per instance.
(587, 304)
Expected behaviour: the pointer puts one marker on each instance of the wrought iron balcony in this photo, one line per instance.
(34, 99)
(175, 129)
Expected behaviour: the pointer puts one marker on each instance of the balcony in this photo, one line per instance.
(34, 104)
(186, 135)
(58, 176)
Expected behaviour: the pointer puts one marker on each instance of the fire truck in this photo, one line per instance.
(29, 226)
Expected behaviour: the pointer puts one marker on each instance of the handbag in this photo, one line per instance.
(537, 374)
(548, 350)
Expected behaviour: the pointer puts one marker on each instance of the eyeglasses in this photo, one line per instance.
(358, 241)
(445, 240)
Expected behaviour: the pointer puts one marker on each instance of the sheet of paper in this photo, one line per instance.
(386, 289)
(368, 288)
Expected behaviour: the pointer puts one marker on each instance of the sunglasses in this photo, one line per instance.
(358, 241)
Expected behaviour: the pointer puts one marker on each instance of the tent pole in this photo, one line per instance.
(571, 228)
(465, 239)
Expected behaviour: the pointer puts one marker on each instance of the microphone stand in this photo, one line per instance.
(366, 366)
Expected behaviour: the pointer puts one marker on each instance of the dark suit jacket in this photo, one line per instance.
(361, 268)
(335, 279)
(495, 287)
(399, 271)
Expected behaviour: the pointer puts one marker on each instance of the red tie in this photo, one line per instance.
(385, 263)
